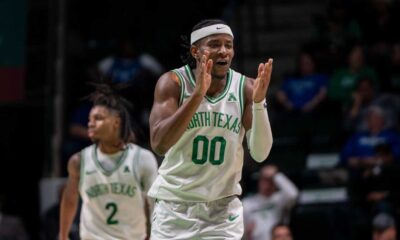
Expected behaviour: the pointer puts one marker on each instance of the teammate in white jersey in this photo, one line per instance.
(271, 205)
(199, 117)
(112, 176)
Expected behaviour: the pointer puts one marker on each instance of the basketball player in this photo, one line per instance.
(112, 176)
(199, 117)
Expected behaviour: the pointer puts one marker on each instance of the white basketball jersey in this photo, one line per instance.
(206, 162)
(113, 205)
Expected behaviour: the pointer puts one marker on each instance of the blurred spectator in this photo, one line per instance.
(11, 227)
(343, 80)
(372, 158)
(128, 64)
(362, 97)
(359, 151)
(305, 91)
(271, 205)
(391, 103)
(139, 71)
(301, 99)
(281, 232)
(384, 227)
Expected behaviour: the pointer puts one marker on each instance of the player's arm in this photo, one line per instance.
(316, 100)
(168, 121)
(288, 192)
(70, 197)
(255, 116)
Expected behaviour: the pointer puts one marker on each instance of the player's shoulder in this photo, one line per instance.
(144, 152)
(249, 81)
(74, 163)
(167, 84)
(146, 159)
(76, 157)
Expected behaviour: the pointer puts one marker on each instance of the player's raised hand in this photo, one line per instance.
(262, 81)
(203, 76)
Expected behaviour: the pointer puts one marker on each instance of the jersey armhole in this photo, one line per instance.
(241, 93)
(181, 85)
(135, 165)
(81, 168)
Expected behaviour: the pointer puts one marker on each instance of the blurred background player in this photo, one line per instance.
(111, 176)
(270, 206)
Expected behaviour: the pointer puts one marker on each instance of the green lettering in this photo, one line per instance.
(220, 119)
(129, 191)
(238, 127)
(201, 118)
(196, 120)
(234, 125)
(114, 188)
(190, 124)
(207, 118)
(215, 118)
(228, 119)
(97, 190)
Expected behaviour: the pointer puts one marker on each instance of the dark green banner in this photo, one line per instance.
(12, 32)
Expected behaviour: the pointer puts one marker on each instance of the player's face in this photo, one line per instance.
(266, 186)
(221, 51)
(375, 121)
(103, 124)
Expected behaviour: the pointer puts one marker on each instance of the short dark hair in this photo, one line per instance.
(107, 94)
(207, 22)
(187, 58)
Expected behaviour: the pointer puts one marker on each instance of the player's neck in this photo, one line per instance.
(111, 147)
(216, 87)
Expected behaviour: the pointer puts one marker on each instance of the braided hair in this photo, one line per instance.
(106, 94)
(187, 58)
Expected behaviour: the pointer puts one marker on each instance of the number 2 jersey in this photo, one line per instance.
(113, 200)
(206, 163)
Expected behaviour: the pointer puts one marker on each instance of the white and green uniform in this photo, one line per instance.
(113, 203)
(205, 164)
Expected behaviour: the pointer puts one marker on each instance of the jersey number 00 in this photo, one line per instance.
(202, 156)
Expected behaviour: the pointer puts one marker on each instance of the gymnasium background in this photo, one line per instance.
(50, 49)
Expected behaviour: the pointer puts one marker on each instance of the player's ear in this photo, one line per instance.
(194, 51)
(117, 123)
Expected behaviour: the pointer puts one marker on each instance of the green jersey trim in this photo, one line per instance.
(241, 93)
(81, 168)
(220, 96)
(135, 162)
(99, 166)
(182, 82)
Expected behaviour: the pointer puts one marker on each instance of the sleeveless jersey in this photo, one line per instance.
(206, 163)
(113, 204)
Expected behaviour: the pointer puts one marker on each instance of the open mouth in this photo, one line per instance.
(221, 63)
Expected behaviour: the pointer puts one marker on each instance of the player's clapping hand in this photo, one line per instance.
(262, 81)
